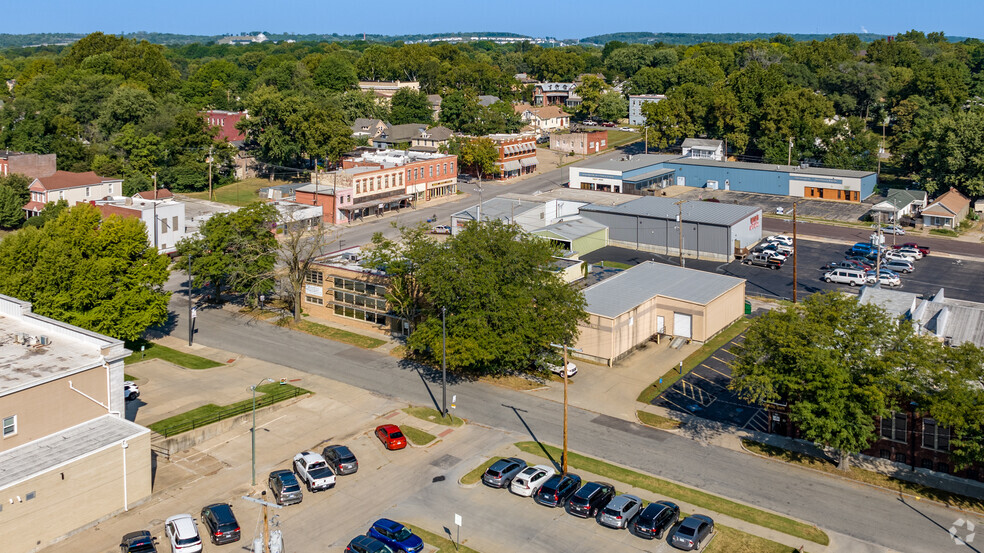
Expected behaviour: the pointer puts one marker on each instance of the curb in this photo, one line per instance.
(468, 486)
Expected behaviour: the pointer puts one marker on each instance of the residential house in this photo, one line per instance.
(431, 140)
(225, 122)
(486, 100)
(636, 102)
(384, 90)
(164, 218)
(71, 187)
(29, 165)
(158, 194)
(899, 203)
(946, 211)
(398, 136)
(517, 154)
(543, 119)
(435, 102)
(370, 128)
(582, 143)
(556, 94)
(702, 148)
(651, 299)
(68, 456)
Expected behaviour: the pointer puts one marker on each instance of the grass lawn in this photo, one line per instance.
(618, 138)
(867, 476)
(729, 540)
(336, 334)
(269, 393)
(657, 421)
(615, 265)
(157, 351)
(944, 232)
(476, 473)
(433, 415)
(128, 377)
(443, 544)
(682, 493)
(512, 381)
(238, 193)
(417, 436)
(696, 358)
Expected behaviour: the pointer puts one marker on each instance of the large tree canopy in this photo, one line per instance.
(99, 275)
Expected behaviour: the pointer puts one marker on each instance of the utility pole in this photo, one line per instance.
(564, 370)
(479, 197)
(790, 161)
(878, 250)
(191, 319)
(680, 221)
(795, 257)
(444, 365)
(647, 139)
(266, 521)
(210, 198)
(155, 210)
(881, 148)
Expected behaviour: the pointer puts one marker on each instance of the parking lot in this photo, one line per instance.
(960, 278)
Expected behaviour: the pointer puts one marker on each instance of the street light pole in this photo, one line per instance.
(680, 220)
(444, 366)
(191, 321)
(795, 257)
(252, 432)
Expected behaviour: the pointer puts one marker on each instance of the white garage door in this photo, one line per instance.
(682, 325)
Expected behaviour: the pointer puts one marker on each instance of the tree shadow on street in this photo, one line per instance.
(546, 452)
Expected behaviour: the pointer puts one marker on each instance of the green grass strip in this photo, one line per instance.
(433, 415)
(267, 394)
(676, 491)
(694, 359)
(337, 334)
(416, 435)
(476, 473)
(157, 351)
(443, 545)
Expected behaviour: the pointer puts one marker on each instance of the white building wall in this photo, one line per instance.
(170, 224)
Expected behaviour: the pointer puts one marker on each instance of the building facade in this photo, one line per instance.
(702, 148)
(543, 119)
(163, 219)
(69, 458)
(517, 154)
(29, 165)
(341, 287)
(556, 94)
(947, 211)
(635, 106)
(225, 123)
(71, 187)
(581, 143)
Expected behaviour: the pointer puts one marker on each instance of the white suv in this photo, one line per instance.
(530, 479)
(182, 532)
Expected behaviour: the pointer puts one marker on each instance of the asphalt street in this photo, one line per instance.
(858, 511)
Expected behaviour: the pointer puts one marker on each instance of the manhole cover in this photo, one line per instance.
(445, 461)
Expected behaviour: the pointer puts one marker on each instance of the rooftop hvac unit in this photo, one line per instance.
(45, 340)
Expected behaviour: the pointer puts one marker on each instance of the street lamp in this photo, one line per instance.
(680, 220)
(564, 370)
(444, 365)
(191, 314)
(252, 431)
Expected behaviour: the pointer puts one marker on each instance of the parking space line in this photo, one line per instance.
(719, 359)
(728, 376)
(709, 380)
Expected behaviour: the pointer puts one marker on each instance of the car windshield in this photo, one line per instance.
(612, 512)
(396, 435)
(186, 541)
(403, 534)
(292, 488)
(687, 531)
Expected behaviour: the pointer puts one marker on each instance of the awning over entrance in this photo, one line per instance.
(376, 203)
(511, 165)
(528, 161)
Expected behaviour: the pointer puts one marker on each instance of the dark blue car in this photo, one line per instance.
(397, 536)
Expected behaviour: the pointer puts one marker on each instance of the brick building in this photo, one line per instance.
(29, 165)
(341, 287)
(226, 121)
(582, 143)
(517, 154)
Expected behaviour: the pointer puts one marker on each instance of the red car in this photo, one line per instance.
(923, 249)
(391, 436)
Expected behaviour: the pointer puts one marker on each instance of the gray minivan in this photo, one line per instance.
(851, 277)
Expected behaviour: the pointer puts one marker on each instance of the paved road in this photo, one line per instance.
(854, 234)
(844, 507)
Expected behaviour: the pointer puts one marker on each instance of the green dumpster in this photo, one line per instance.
(748, 307)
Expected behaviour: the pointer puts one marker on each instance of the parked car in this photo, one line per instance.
(899, 266)
(391, 436)
(655, 519)
(608, 124)
(221, 523)
(770, 249)
(590, 124)
(395, 535)
(626, 129)
(182, 533)
(887, 279)
(691, 532)
(341, 459)
(130, 390)
(906, 250)
(530, 479)
(780, 239)
(899, 255)
(620, 511)
(557, 370)
(502, 472)
(893, 229)
(441, 229)
(591, 498)
(852, 277)
(285, 488)
(313, 470)
(923, 249)
(763, 259)
(556, 491)
(839, 265)
(860, 262)
(365, 544)
(862, 249)
(138, 542)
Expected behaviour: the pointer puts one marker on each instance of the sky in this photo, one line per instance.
(555, 18)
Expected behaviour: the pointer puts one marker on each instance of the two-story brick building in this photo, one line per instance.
(68, 457)
(517, 154)
(225, 122)
(582, 143)
(29, 165)
(71, 187)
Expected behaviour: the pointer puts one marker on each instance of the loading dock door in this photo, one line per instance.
(682, 325)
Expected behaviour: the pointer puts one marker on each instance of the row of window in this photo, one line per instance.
(360, 287)
(384, 182)
(40, 196)
(925, 463)
(359, 314)
(314, 277)
(934, 436)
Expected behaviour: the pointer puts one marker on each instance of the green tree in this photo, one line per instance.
(613, 107)
(850, 145)
(475, 155)
(950, 153)
(502, 315)
(99, 275)
(402, 260)
(234, 249)
(460, 111)
(956, 400)
(797, 115)
(335, 74)
(13, 195)
(410, 106)
(834, 361)
(51, 211)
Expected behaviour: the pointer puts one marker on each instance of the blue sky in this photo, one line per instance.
(562, 19)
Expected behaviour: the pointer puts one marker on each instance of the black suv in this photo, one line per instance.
(365, 544)
(138, 542)
(557, 490)
(590, 499)
(341, 459)
(655, 519)
(220, 523)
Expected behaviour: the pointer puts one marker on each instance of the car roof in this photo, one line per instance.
(388, 524)
(621, 500)
(309, 456)
(389, 428)
(184, 525)
(221, 510)
(366, 541)
(502, 463)
(133, 536)
(693, 521)
(341, 449)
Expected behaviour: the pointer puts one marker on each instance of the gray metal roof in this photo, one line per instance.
(819, 171)
(705, 142)
(39, 456)
(907, 196)
(658, 207)
(628, 163)
(955, 320)
(896, 302)
(632, 287)
(504, 209)
(572, 229)
(649, 175)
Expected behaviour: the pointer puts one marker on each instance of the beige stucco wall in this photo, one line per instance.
(53, 406)
(73, 496)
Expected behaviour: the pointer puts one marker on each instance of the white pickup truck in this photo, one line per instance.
(314, 471)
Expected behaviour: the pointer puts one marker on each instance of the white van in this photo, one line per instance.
(846, 276)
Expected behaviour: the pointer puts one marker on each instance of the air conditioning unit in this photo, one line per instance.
(44, 340)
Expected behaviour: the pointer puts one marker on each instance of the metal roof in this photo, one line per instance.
(649, 175)
(632, 287)
(628, 163)
(819, 171)
(702, 142)
(658, 207)
(571, 230)
(503, 209)
(39, 456)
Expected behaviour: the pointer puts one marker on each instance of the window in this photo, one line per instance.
(943, 467)
(415, 177)
(893, 427)
(935, 436)
(408, 175)
(445, 168)
(61, 195)
(387, 182)
(358, 188)
(900, 457)
(88, 191)
(163, 225)
(315, 277)
(431, 170)
(110, 189)
(452, 167)
(312, 299)
(9, 426)
(174, 223)
(926, 464)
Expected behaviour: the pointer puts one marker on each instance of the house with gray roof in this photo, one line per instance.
(900, 203)
(704, 148)
(951, 321)
(652, 300)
